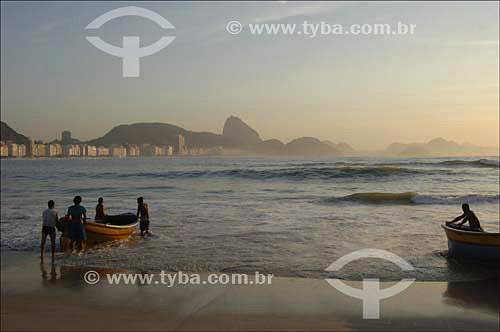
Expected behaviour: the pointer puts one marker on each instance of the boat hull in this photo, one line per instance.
(474, 245)
(97, 232)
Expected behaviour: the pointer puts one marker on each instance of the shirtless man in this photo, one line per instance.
(100, 211)
(143, 215)
(467, 216)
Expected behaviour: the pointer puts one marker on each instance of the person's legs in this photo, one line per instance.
(74, 231)
(82, 237)
(53, 243)
(141, 225)
(63, 243)
(42, 249)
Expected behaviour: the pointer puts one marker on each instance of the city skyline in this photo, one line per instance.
(369, 91)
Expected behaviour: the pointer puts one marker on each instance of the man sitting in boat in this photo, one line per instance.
(467, 216)
(100, 211)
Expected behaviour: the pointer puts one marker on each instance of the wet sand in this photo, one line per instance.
(38, 296)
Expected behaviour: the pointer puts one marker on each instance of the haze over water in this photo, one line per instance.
(290, 217)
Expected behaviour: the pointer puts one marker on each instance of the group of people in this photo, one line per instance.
(73, 224)
(77, 217)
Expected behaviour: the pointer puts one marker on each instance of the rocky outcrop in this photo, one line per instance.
(239, 133)
(7, 134)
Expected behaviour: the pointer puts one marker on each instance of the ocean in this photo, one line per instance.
(288, 216)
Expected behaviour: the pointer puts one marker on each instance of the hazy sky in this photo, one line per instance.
(367, 90)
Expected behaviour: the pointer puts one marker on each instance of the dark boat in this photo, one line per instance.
(465, 243)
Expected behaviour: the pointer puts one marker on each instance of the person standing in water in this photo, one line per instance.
(49, 218)
(78, 218)
(467, 216)
(143, 215)
(100, 211)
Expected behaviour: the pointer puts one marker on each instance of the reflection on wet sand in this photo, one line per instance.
(481, 294)
(289, 303)
(73, 276)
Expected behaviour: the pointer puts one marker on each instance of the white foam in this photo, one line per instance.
(490, 162)
(454, 199)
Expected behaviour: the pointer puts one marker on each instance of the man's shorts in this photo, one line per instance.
(77, 231)
(48, 230)
(144, 225)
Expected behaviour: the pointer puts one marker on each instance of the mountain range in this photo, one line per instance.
(236, 137)
(438, 147)
(239, 138)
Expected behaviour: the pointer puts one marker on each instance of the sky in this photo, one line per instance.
(367, 90)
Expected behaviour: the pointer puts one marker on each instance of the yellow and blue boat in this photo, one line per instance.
(111, 228)
(476, 245)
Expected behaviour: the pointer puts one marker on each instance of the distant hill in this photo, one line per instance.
(270, 147)
(159, 134)
(412, 151)
(438, 147)
(310, 146)
(238, 133)
(343, 147)
(9, 134)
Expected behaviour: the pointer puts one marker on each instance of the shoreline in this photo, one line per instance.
(44, 297)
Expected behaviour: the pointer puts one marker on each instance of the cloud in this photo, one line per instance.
(484, 42)
(287, 10)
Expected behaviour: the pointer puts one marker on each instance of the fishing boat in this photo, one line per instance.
(111, 228)
(465, 243)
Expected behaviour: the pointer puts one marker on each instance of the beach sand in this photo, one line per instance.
(38, 296)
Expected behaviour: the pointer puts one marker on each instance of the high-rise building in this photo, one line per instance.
(169, 150)
(157, 151)
(133, 151)
(30, 147)
(17, 150)
(88, 151)
(66, 137)
(39, 150)
(102, 151)
(146, 150)
(118, 151)
(13, 150)
(55, 150)
(4, 150)
(22, 150)
(181, 145)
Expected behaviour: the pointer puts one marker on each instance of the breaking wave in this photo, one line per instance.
(410, 198)
(474, 163)
(448, 163)
(489, 163)
(297, 174)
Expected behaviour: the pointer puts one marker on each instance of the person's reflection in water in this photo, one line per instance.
(48, 278)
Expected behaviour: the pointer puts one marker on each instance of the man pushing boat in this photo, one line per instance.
(143, 215)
